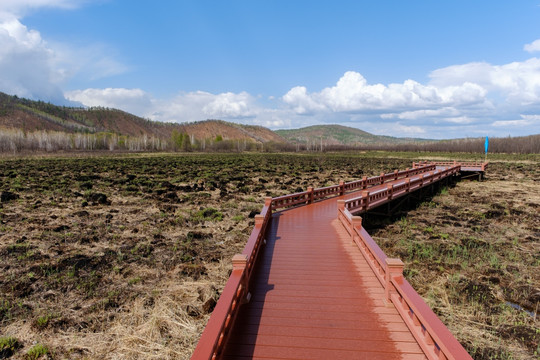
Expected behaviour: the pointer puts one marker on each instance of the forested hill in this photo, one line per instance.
(29, 115)
(339, 135)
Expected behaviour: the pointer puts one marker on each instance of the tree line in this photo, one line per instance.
(16, 140)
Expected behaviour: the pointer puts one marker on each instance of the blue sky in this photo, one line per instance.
(433, 69)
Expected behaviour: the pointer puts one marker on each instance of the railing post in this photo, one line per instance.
(394, 268)
(382, 178)
(239, 263)
(341, 187)
(356, 224)
(268, 203)
(341, 205)
(365, 199)
(310, 195)
(408, 181)
(396, 174)
(390, 190)
(259, 220)
(364, 182)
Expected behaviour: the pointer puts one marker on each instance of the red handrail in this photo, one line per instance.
(311, 195)
(369, 200)
(431, 334)
(216, 332)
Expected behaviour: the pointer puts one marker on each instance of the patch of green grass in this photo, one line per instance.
(8, 345)
(43, 321)
(37, 351)
(208, 214)
(134, 280)
(238, 218)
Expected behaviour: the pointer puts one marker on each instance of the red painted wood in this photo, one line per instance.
(315, 286)
(314, 294)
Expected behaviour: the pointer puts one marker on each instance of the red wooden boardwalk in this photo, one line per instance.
(315, 296)
(321, 288)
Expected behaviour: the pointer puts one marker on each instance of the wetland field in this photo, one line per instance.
(124, 256)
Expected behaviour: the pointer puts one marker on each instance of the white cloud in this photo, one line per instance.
(229, 105)
(518, 82)
(511, 123)
(353, 94)
(184, 107)
(20, 7)
(423, 114)
(526, 120)
(132, 100)
(26, 63)
(532, 47)
(302, 103)
(35, 68)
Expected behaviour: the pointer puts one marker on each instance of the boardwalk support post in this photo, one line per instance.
(394, 268)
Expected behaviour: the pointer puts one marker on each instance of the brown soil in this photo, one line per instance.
(125, 257)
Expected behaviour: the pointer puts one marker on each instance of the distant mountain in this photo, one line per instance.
(29, 115)
(339, 135)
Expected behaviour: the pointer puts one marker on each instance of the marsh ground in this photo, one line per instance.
(125, 256)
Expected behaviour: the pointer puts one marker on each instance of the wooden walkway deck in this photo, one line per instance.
(315, 296)
(320, 288)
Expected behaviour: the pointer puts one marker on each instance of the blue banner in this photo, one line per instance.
(486, 145)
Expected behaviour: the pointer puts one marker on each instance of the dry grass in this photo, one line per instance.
(134, 278)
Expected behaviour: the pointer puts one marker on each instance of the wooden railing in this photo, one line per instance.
(311, 195)
(434, 337)
(236, 291)
(371, 199)
(431, 334)
(481, 166)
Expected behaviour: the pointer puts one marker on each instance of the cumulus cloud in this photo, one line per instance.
(185, 107)
(532, 47)
(133, 100)
(26, 63)
(34, 68)
(353, 94)
(517, 82)
(229, 105)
